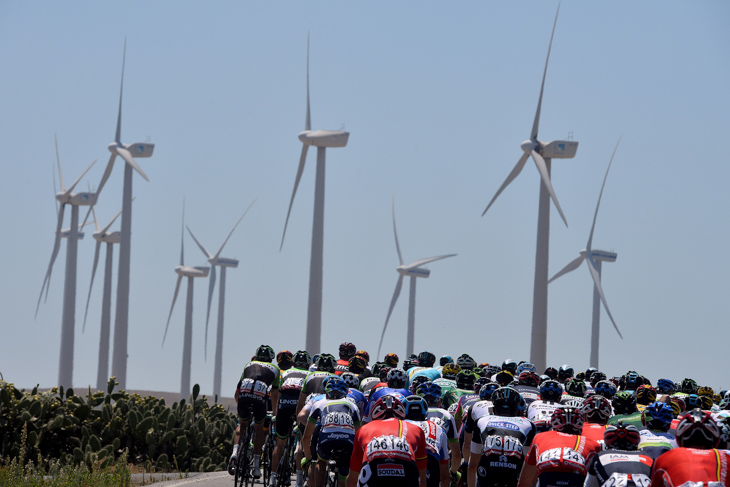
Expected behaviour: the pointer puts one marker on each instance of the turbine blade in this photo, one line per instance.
(107, 172)
(108, 225)
(60, 173)
(308, 121)
(572, 265)
(96, 220)
(300, 170)
(512, 175)
(234, 227)
(68, 191)
(398, 287)
(421, 262)
(207, 254)
(174, 298)
(542, 167)
(395, 232)
(211, 288)
(56, 245)
(91, 284)
(597, 282)
(536, 123)
(127, 156)
(118, 134)
(595, 215)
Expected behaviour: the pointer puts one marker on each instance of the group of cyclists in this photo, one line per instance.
(463, 424)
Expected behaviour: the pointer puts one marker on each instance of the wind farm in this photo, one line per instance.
(431, 103)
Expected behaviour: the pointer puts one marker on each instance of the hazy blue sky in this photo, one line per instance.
(438, 98)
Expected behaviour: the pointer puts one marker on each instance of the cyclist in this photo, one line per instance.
(336, 419)
(313, 382)
(395, 386)
(252, 394)
(574, 388)
(391, 360)
(624, 407)
(388, 451)
(354, 393)
(605, 388)
(645, 395)
(465, 361)
(431, 393)
(464, 385)
(596, 410)
(347, 351)
(621, 463)
(527, 385)
(565, 372)
(696, 461)
(560, 456)
(437, 466)
(655, 439)
(541, 411)
(665, 386)
(499, 441)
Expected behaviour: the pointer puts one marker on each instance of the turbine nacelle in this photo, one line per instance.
(600, 255)
(186, 271)
(77, 199)
(138, 149)
(112, 237)
(223, 262)
(67, 233)
(325, 138)
(558, 149)
(413, 271)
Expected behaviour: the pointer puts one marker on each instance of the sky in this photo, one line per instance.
(437, 98)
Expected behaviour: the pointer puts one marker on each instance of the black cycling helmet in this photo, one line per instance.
(391, 360)
(631, 381)
(597, 377)
(645, 394)
(416, 408)
(426, 359)
(285, 359)
(465, 380)
(357, 364)
(565, 372)
(504, 378)
(551, 372)
(352, 381)
(410, 363)
(416, 383)
(347, 350)
(575, 387)
(507, 402)
(375, 369)
(480, 382)
(486, 391)
(588, 374)
(265, 354)
(510, 365)
(446, 359)
(624, 402)
(397, 378)
(302, 360)
(326, 363)
(550, 390)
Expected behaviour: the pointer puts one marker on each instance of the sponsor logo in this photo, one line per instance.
(482, 471)
(338, 436)
(391, 470)
(504, 425)
(512, 466)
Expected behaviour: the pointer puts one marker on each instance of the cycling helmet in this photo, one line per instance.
(416, 382)
(365, 355)
(357, 364)
(697, 429)
(544, 377)
(528, 378)
(550, 390)
(679, 401)
(624, 402)
(465, 361)
(510, 365)
(689, 386)
(483, 365)
(351, 380)
(285, 359)
(480, 372)
(596, 409)
(314, 359)
(567, 419)
(446, 359)
(706, 402)
(426, 359)
(565, 372)
(725, 404)
(665, 386)
(588, 374)
(693, 401)
(493, 369)
(622, 436)
(265, 354)
(657, 416)
(486, 391)
(605, 388)
(580, 376)
(326, 363)
(465, 380)
(450, 371)
(551, 372)
(336, 388)
(391, 360)
(416, 408)
(526, 367)
(430, 391)
(409, 363)
(302, 360)
(645, 394)
(480, 382)
(383, 373)
(631, 381)
(397, 378)
(705, 391)
(677, 408)
(597, 377)
(504, 378)
(387, 407)
(575, 387)
(574, 402)
(347, 351)
(508, 402)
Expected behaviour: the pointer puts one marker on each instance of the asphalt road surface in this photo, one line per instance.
(214, 479)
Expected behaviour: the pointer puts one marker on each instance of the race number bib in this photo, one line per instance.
(255, 387)
(556, 457)
(624, 480)
(388, 446)
(502, 445)
(337, 420)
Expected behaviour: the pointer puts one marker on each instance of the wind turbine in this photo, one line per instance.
(542, 154)
(127, 152)
(102, 235)
(322, 139)
(68, 319)
(191, 273)
(224, 263)
(414, 271)
(595, 257)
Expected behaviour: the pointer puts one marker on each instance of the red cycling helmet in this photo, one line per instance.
(388, 407)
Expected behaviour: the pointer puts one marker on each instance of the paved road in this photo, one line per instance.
(215, 479)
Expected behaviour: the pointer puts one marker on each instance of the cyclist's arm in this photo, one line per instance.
(274, 401)
(307, 440)
(474, 459)
(302, 400)
(528, 476)
(444, 471)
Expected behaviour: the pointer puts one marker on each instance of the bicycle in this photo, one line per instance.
(332, 475)
(268, 449)
(244, 462)
(287, 466)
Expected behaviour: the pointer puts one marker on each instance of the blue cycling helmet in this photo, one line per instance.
(665, 386)
(416, 383)
(605, 388)
(550, 390)
(446, 359)
(416, 408)
(430, 391)
(657, 416)
(693, 401)
(485, 392)
(335, 388)
(525, 367)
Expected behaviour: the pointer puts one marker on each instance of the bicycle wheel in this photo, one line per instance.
(266, 460)
(242, 461)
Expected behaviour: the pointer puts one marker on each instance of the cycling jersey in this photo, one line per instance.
(477, 410)
(313, 382)
(501, 441)
(633, 418)
(367, 384)
(594, 431)
(561, 459)
(445, 384)
(463, 405)
(429, 372)
(290, 386)
(252, 391)
(342, 366)
(540, 412)
(437, 450)
(690, 467)
(452, 396)
(445, 420)
(613, 468)
(654, 443)
(529, 394)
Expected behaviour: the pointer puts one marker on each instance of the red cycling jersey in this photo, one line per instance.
(389, 439)
(553, 451)
(594, 431)
(682, 465)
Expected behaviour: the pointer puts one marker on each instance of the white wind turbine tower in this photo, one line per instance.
(68, 319)
(322, 139)
(191, 273)
(224, 263)
(542, 154)
(102, 235)
(414, 271)
(127, 152)
(595, 257)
